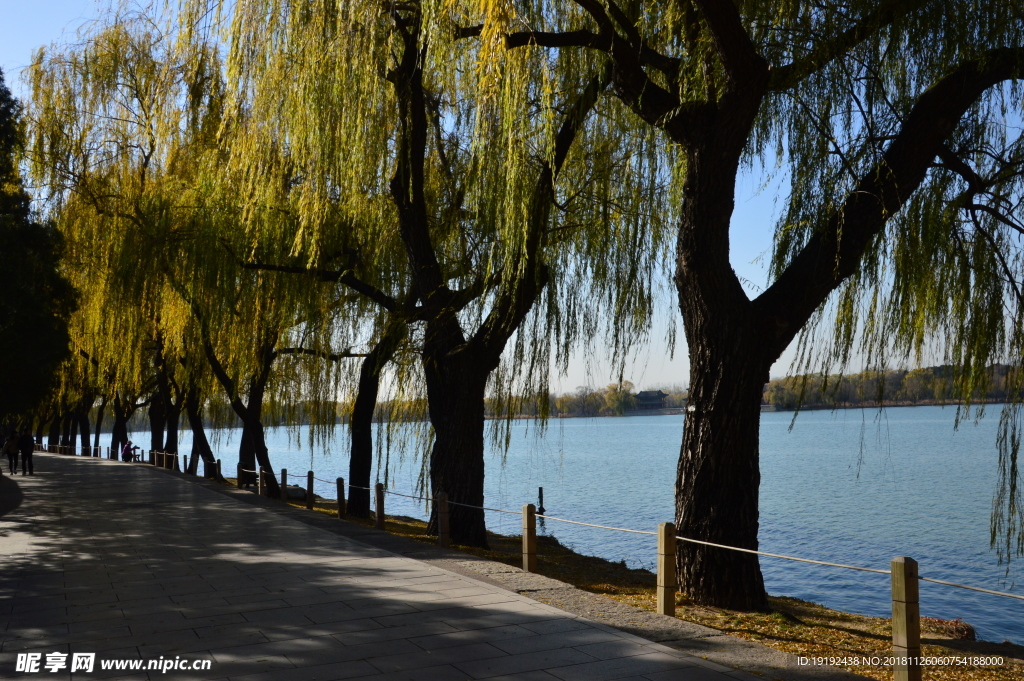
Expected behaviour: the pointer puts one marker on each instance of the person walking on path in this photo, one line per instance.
(11, 450)
(27, 444)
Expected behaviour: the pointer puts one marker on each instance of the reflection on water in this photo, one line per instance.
(852, 487)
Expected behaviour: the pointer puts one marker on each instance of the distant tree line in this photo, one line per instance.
(931, 385)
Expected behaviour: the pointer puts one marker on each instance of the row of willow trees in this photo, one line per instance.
(274, 224)
(441, 200)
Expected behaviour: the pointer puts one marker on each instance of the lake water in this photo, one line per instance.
(854, 486)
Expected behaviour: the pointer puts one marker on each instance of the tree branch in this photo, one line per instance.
(834, 253)
(332, 356)
(787, 76)
(345, 277)
(743, 64)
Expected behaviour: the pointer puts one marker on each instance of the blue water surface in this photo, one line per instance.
(857, 487)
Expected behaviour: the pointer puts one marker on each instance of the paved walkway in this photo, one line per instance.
(132, 563)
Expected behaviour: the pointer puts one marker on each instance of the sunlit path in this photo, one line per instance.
(134, 564)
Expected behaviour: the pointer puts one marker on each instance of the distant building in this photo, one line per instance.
(650, 399)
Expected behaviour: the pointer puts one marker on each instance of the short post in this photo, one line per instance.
(906, 620)
(261, 483)
(667, 569)
(529, 538)
(341, 497)
(309, 490)
(219, 475)
(379, 489)
(284, 485)
(238, 480)
(444, 538)
(152, 458)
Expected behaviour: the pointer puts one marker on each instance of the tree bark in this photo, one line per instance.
(157, 420)
(119, 430)
(455, 396)
(361, 420)
(40, 427)
(53, 435)
(99, 422)
(173, 421)
(67, 437)
(83, 426)
(200, 444)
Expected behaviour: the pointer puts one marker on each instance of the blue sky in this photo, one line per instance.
(25, 25)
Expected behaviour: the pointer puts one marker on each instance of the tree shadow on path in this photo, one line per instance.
(10, 495)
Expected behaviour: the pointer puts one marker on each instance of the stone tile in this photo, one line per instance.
(639, 665)
(427, 658)
(527, 662)
(577, 638)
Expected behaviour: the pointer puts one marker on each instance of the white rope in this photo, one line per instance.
(603, 527)
(779, 555)
(407, 496)
(496, 510)
(694, 541)
(973, 588)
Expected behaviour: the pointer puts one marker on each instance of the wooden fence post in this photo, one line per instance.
(529, 538)
(261, 483)
(238, 480)
(309, 490)
(444, 539)
(284, 485)
(341, 497)
(379, 489)
(667, 569)
(219, 474)
(906, 620)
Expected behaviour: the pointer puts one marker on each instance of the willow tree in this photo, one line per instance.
(889, 119)
(120, 126)
(389, 121)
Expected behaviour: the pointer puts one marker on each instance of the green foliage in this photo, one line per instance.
(36, 300)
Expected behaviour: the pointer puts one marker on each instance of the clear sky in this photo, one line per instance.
(25, 25)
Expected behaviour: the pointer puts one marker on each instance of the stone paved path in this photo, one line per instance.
(132, 563)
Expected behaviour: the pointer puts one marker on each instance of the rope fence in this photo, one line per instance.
(903, 570)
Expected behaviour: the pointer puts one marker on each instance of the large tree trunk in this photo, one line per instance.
(200, 444)
(99, 422)
(83, 426)
(361, 421)
(455, 396)
(718, 476)
(157, 421)
(65, 430)
(173, 421)
(119, 431)
(53, 436)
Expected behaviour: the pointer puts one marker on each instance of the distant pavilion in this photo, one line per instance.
(650, 399)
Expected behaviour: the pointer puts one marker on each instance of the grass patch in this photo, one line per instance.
(794, 626)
